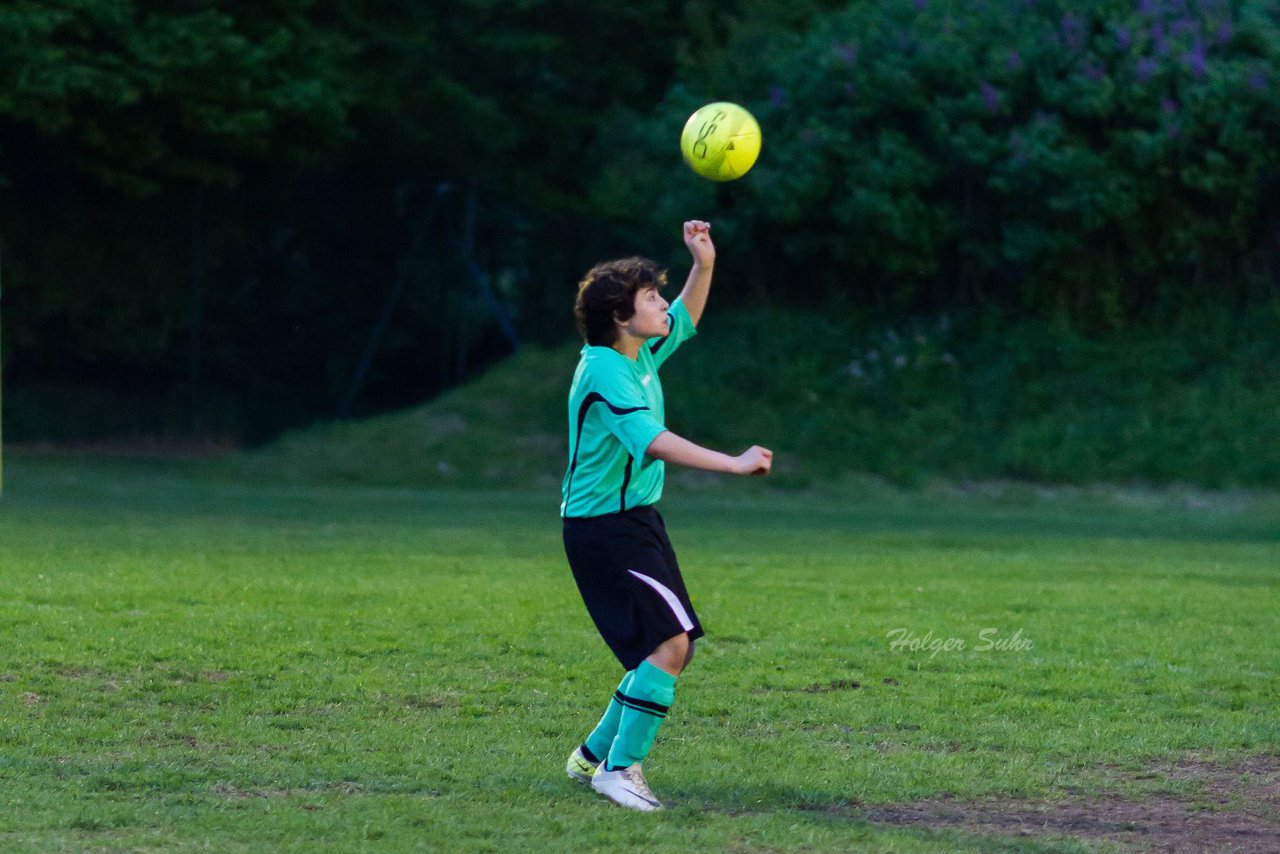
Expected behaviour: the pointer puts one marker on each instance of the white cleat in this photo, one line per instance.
(626, 787)
(580, 767)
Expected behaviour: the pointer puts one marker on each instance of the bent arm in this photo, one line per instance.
(670, 448)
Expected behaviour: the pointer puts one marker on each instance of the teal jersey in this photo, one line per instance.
(616, 410)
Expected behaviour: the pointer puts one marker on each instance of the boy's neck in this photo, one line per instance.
(628, 345)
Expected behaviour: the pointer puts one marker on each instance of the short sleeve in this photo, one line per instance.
(682, 329)
(621, 408)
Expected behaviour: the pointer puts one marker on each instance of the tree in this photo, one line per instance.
(1090, 162)
(140, 95)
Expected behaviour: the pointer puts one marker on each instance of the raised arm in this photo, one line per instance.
(697, 236)
(670, 448)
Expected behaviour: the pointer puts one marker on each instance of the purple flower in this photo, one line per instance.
(848, 53)
(1182, 26)
(777, 96)
(990, 97)
(1094, 72)
(1124, 38)
(1195, 59)
(1159, 38)
(1257, 81)
(1073, 31)
(921, 5)
(1146, 7)
(1147, 68)
(1014, 62)
(1020, 156)
(1168, 106)
(1225, 32)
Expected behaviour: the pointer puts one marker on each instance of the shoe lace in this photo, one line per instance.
(636, 779)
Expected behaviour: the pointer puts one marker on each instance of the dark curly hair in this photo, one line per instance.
(608, 292)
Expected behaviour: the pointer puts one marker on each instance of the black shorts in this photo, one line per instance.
(630, 581)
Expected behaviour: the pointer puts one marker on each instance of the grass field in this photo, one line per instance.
(198, 662)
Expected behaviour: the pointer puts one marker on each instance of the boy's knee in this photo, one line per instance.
(673, 654)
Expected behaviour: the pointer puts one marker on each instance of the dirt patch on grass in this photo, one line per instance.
(833, 685)
(1232, 807)
(235, 793)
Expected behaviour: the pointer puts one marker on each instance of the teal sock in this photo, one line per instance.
(644, 707)
(601, 738)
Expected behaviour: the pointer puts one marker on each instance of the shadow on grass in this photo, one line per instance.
(1234, 808)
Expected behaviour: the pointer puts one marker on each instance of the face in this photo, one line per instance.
(650, 319)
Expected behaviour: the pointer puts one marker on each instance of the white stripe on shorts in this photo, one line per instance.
(674, 601)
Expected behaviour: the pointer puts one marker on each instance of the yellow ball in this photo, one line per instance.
(721, 141)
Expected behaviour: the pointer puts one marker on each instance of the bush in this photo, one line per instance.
(1089, 162)
(982, 397)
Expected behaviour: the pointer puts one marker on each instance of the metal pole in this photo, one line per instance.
(482, 284)
(403, 271)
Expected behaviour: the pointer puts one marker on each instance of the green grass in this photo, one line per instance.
(196, 661)
(832, 395)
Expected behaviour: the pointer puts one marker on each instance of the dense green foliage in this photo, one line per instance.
(240, 217)
(974, 399)
(239, 666)
(138, 95)
(209, 207)
(1093, 163)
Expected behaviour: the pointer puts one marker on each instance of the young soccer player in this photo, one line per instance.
(614, 538)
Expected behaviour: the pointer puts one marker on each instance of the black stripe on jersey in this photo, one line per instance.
(626, 481)
(592, 398)
(639, 705)
(657, 345)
